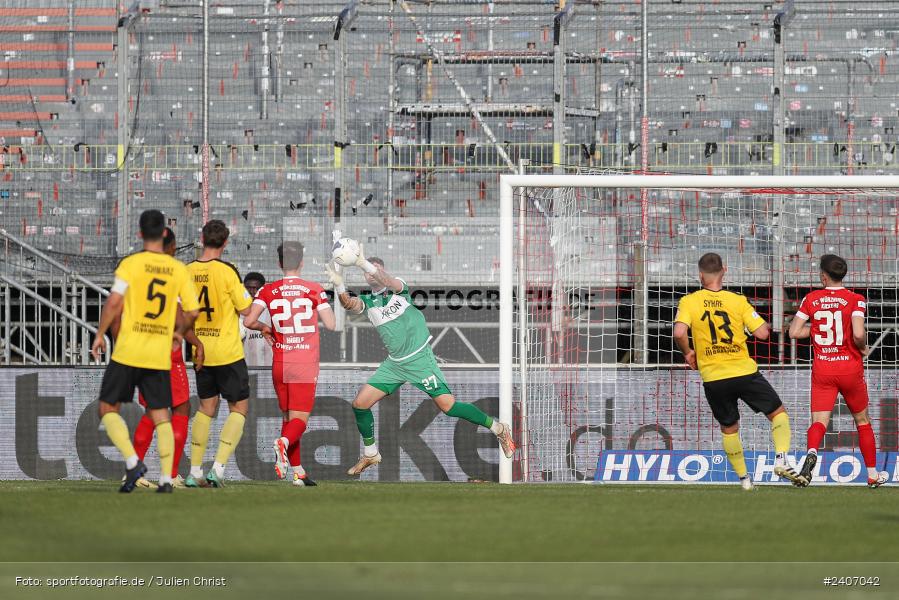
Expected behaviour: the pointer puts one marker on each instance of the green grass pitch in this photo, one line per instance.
(480, 525)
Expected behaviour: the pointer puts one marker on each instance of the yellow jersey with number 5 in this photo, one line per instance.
(718, 322)
(151, 283)
(222, 295)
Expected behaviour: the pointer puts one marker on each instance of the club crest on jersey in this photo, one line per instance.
(378, 315)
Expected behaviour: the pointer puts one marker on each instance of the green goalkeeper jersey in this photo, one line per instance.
(401, 326)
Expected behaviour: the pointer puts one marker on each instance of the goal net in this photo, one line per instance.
(590, 375)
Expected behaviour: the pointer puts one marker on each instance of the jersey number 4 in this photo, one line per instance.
(830, 328)
(300, 308)
(724, 326)
(204, 301)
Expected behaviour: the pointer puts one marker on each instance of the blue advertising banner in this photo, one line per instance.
(683, 466)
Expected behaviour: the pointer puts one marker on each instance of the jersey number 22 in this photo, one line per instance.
(301, 309)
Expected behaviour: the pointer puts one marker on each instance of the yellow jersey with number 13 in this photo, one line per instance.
(151, 283)
(718, 322)
(222, 295)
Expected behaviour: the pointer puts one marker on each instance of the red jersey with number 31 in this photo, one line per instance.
(830, 312)
(293, 304)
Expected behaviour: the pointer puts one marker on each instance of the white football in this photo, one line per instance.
(345, 252)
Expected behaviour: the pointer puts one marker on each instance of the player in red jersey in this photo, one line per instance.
(292, 304)
(143, 434)
(834, 318)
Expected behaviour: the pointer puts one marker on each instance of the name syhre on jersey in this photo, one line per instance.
(829, 313)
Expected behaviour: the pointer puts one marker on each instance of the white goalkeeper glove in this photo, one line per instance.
(335, 277)
(363, 263)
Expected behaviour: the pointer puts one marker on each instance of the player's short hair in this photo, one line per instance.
(290, 255)
(254, 276)
(169, 238)
(152, 224)
(710, 263)
(835, 266)
(215, 234)
(376, 261)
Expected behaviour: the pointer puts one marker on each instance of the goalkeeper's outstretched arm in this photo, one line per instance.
(349, 303)
(387, 280)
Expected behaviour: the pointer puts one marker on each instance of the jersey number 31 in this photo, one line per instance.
(830, 326)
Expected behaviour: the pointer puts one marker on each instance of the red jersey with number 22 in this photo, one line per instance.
(293, 304)
(830, 312)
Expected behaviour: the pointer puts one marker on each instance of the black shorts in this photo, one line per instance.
(231, 382)
(119, 381)
(754, 390)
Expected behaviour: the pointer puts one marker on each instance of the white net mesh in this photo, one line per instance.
(596, 371)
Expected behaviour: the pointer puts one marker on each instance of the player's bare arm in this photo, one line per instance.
(859, 335)
(251, 319)
(800, 328)
(112, 311)
(191, 338)
(328, 319)
(350, 303)
(762, 332)
(387, 280)
(682, 339)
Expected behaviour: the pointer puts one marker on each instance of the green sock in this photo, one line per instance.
(365, 421)
(471, 413)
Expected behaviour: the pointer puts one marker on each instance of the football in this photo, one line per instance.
(345, 252)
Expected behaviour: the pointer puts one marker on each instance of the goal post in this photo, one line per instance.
(590, 276)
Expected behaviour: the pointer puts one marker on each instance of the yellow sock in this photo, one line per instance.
(165, 444)
(118, 434)
(734, 449)
(199, 435)
(230, 437)
(780, 432)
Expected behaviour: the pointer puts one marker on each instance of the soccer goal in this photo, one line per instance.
(589, 374)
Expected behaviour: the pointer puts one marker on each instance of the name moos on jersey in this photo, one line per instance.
(707, 466)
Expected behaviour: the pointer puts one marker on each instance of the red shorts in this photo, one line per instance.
(295, 385)
(826, 386)
(180, 384)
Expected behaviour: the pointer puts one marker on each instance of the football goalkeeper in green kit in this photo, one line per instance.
(410, 359)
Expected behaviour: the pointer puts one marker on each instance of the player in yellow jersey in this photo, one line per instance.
(718, 320)
(145, 294)
(224, 374)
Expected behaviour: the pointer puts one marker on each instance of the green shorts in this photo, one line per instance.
(421, 371)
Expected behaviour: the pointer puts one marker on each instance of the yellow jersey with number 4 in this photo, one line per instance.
(718, 322)
(222, 295)
(151, 283)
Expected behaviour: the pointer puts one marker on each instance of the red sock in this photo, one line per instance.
(143, 436)
(293, 454)
(179, 428)
(293, 430)
(816, 435)
(867, 445)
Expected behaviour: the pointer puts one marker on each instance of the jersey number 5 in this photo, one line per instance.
(724, 326)
(303, 308)
(152, 295)
(830, 326)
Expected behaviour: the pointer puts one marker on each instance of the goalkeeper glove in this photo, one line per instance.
(363, 263)
(335, 278)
